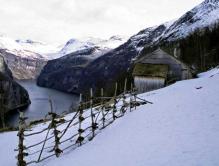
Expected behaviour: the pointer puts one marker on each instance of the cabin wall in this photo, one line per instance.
(177, 70)
(146, 84)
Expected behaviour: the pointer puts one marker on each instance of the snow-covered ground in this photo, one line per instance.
(181, 128)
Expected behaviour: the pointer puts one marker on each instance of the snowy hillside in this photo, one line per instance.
(204, 15)
(175, 130)
(149, 36)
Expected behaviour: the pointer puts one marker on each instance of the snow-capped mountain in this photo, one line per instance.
(148, 36)
(74, 45)
(110, 43)
(32, 49)
(104, 71)
(27, 54)
(25, 58)
(204, 15)
(27, 48)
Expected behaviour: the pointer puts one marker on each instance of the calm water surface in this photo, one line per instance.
(39, 102)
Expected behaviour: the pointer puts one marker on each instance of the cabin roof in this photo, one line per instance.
(150, 70)
(159, 56)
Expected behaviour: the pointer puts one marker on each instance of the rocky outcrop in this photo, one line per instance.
(23, 67)
(13, 96)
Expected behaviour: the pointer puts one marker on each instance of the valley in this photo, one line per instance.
(63, 103)
(109, 83)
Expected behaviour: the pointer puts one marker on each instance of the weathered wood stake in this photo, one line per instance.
(21, 148)
(125, 86)
(80, 119)
(135, 96)
(102, 108)
(47, 134)
(56, 132)
(130, 102)
(93, 125)
(114, 98)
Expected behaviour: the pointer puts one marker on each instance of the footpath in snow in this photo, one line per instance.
(181, 128)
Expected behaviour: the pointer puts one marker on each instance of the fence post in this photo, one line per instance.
(80, 119)
(56, 132)
(124, 97)
(21, 148)
(125, 86)
(2, 109)
(114, 105)
(102, 108)
(47, 134)
(130, 102)
(134, 91)
(93, 124)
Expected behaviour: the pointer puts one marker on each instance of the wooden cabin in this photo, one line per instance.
(155, 70)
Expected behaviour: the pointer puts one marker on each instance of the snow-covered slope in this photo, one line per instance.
(149, 36)
(204, 15)
(180, 128)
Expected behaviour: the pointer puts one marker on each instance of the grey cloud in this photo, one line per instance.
(59, 20)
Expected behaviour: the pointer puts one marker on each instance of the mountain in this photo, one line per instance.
(194, 37)
(101, 71)
(116, 64)
(14, 95)
(74, 45)
(204, 15)
(27, 48)
(24, 65)
(26, 58)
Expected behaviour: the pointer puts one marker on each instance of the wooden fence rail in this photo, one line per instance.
(61, 134)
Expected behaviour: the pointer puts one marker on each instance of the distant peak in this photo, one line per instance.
(27, 41)
(70, 41)
(117, 37)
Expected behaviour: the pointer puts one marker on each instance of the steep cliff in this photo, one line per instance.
(13, 96)
(23, 67)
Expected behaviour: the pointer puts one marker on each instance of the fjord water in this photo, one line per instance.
(40, 106)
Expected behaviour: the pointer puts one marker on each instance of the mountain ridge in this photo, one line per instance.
(112, 66)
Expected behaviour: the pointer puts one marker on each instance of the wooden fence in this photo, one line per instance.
(63, 134)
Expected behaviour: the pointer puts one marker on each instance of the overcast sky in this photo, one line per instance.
(59, 20)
